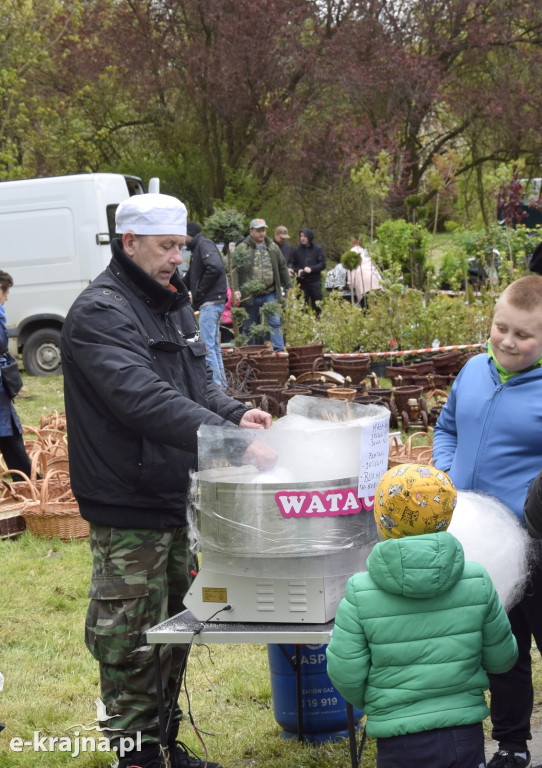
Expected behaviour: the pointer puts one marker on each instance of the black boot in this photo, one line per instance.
(182, 756)
(148, 757)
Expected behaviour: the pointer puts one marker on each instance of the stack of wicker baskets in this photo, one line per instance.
(303, 359)
(356, 367)
(44, 502)
(55, 513)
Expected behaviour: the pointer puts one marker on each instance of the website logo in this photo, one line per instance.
(76, 742)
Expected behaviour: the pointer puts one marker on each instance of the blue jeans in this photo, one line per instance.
(461, 746)
(277, 339)
(209, 325)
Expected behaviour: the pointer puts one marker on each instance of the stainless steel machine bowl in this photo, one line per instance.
(269, 566)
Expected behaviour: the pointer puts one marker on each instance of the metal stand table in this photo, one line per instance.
(184, 628)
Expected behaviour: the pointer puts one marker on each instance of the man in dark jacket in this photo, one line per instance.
(207, 282)
(307, 263)
(281, 238)
(136, 391)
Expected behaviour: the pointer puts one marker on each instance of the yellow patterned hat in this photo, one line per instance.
(412, 499)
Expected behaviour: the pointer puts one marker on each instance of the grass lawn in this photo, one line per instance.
(51, 681)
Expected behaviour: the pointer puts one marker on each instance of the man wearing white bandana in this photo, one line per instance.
(137, 389)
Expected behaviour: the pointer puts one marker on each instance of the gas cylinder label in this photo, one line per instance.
(214, 595)
(340, 501)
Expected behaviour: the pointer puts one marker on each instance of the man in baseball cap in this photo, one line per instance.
(281, 239)
(258, 224)
(260, 275)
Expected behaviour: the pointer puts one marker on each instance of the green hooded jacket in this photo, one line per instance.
(415, 635)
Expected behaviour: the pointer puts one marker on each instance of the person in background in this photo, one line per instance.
(281, 239)
(257, 259)
(366, 277)
(136, 390)
(207, 282)
(307, 263)
(487, 438)
(417, 631)
(11, 431)
(226, 322)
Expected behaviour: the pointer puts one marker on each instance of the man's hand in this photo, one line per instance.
(237, 295)
(261, 456)
(256, 419)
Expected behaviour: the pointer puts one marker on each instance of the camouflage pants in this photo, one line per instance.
(139, 578)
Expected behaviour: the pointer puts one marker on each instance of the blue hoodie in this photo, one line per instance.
(487, 437)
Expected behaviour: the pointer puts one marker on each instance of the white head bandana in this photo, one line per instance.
(151, 214)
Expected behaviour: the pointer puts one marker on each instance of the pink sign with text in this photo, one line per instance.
(330, 503)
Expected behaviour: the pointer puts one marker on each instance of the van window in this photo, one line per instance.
(135, 185)
(111, 209)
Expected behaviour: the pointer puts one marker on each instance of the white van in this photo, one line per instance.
(55, 236)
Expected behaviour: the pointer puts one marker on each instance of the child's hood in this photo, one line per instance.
(417, 566)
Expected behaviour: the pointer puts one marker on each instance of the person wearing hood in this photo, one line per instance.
(207, 282)
(416, 634)
(307, 263)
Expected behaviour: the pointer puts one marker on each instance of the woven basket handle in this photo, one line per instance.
(8, 488)
(396, 446)
(409, 444)
(29, 431)
(39, 460)
(44, 495)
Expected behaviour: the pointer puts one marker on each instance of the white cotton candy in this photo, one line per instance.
(492, 535)
(275, 475)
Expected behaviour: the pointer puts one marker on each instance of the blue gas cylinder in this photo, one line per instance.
(324, 709)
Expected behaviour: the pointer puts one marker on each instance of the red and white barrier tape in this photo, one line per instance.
(396, 352)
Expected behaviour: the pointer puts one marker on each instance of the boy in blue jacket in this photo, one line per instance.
(488, 439)
(414, 634)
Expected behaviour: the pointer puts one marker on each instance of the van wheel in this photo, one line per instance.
(41, 353)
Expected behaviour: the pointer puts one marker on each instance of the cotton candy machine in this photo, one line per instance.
(279, 545)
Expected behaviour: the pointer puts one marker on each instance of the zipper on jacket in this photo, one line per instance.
(481, 446)
(174, 333)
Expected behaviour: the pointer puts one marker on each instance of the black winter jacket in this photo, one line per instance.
(311, 255)
(206, 275)
(533, 508)
(136, 391)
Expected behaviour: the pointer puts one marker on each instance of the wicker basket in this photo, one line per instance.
(449, 362)
(56, 513)
(11, 503)
(55, 420)
(356, 367)
(402, 395)
(341, 393)
(410, 453)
